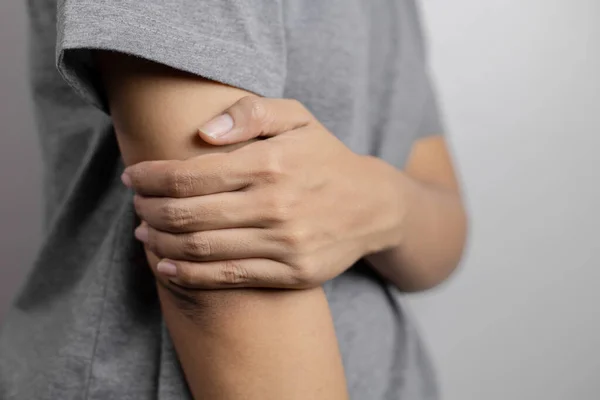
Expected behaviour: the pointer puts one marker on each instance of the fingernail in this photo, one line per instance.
(218, 126)
(141, 233)
(126, 179)
(166, 268)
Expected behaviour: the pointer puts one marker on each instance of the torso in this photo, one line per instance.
(360, 71)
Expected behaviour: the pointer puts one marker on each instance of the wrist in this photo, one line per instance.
(392, 191)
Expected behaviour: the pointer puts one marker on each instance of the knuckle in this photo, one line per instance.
(256, 108)
(196, 246)
(271, 170)
(178, 182)
(295, 240)
(231, 272)
(175, 216)
(305, 274)
(278, 214)
(277, 209)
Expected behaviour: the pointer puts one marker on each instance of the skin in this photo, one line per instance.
(232, 343)
(297, 208)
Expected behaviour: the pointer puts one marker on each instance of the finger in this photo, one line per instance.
(197, 176)
(252, 117)
(238, 273)
(200, 213)
(210, 245)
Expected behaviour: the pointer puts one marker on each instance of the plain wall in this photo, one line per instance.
(519, 82)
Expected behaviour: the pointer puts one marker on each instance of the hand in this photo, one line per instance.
(290, 211)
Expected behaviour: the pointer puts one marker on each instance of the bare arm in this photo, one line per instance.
(233, 344)
(435, 223)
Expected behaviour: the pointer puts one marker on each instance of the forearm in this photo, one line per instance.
(427, 216)
(434, 232)
(255, 344)
(233, 344)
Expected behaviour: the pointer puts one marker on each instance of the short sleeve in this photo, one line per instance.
(236, 42)
(431, 121)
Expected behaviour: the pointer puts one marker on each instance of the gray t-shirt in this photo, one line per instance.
(87, 323)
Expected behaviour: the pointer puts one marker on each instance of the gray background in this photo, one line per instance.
(520, 85)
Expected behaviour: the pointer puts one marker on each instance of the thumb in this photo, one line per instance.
(252, 117)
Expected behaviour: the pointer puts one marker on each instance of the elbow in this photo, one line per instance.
(429, 280)
(216, 308)
(203, 306)
(442, 268)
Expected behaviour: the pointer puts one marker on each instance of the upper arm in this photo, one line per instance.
(157, 110)
(430, 161)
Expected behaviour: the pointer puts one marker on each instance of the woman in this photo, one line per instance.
(277, 233)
